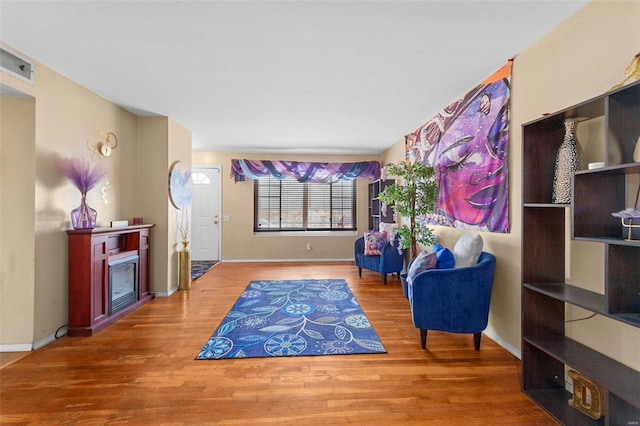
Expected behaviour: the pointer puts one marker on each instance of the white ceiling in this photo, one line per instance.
(281, 76)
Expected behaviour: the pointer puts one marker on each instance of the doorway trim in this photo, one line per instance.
(219, 168)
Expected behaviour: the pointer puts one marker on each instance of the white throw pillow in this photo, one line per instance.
(391, 229)
(467, 250)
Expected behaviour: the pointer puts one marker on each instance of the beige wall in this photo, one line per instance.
(152, 164)
(504, 318)
(161, 141)
(580, 59)
(17, 198)
(238, 240)
(179, 150)
(65, 117)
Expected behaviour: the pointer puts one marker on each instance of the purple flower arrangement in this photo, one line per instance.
(627, 214)
(81, 173)
(84, 176)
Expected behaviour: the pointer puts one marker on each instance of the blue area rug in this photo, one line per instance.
(293, 318)
(199, 267)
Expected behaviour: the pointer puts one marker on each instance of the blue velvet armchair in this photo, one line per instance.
(388, 262)
(453, 300)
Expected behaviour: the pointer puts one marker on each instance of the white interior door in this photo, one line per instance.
(205, 213)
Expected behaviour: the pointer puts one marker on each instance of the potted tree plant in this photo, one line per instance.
(416, 196)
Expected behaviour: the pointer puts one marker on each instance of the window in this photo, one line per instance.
(288, 205)
(200, 178)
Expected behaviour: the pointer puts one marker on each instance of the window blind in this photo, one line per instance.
(288, 205)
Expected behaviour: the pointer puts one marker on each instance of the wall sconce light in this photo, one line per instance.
(106, 143)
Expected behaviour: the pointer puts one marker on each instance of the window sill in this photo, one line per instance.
(306, 234)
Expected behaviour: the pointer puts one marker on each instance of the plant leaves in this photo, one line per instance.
(251, 338)
(264, 309)
(289, 320)
(370, 344)
(340, 332)
(240, 354)
(327, 320)
(226, 328)
(313, 334)
(249, 303)
(276, 328)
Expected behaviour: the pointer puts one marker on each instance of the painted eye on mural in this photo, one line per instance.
(456, 153)
(499, 134)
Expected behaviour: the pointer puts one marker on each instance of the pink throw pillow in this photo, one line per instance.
(374, 243)
(425, 261)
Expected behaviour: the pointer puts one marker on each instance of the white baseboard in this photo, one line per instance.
(509, 348)
(27, 347)
(18, 347)
(165, 293)
(44, 342)
(285, 260)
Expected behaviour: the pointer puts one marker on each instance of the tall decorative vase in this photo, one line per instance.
(184, 267)
(83, 216)
(568, 160)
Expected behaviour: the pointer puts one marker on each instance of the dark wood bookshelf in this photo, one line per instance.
(546, 351)
(376, 213)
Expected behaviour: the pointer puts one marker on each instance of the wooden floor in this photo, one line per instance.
(141, 370)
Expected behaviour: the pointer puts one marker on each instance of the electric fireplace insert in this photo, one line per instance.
(123, 283)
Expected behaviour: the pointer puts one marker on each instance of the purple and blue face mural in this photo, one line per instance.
(467, 144)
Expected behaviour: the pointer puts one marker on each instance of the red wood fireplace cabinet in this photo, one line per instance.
(108, 276)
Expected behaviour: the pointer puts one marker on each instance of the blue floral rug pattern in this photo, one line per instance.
(199, 267)
(293, 318)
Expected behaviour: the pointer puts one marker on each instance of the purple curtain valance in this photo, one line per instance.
(304, 172)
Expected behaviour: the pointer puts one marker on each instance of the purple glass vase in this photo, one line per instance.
(83, 216)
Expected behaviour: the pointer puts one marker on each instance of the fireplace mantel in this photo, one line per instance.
(90, 254)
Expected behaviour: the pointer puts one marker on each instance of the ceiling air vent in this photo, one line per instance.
(16, 66)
